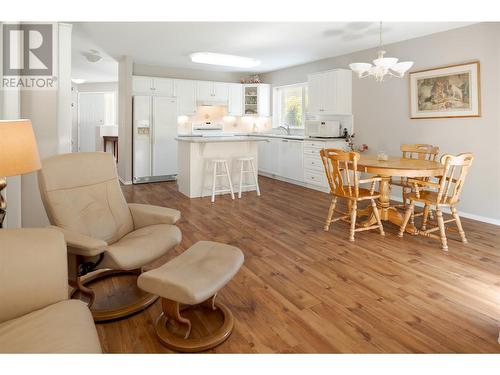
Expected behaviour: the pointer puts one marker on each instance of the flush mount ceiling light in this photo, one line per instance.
(382, 66)
(224, 60)
(93, 56)
(77, 81)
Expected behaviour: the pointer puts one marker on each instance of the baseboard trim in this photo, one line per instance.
(461, 213)
(295, 182)
(124, 182)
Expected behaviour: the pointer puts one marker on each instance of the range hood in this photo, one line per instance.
(212, 103)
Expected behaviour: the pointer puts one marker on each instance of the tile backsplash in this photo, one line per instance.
(231, 124)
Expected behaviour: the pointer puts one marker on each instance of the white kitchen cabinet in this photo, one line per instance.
(204, 91)
(330, 92)
(142, 85)
(220, 91)
(314, 174)
(263, 158)
(269, 156)
(185, 92)
(291, 160)
(274, 156)
(315, 93)
(153, 86)
(163, 86)
(212, 91)
(257, 100)
(235, 99)
(282, 158)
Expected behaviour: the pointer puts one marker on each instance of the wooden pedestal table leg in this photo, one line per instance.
(171, 311)
(386, 212)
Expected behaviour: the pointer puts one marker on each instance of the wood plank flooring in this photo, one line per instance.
(303, 290)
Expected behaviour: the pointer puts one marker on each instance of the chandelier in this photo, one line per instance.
(382, 66)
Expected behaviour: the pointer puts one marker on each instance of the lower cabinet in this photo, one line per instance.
(296, 161)
(282, 158)
(291, 160)
(269, 156)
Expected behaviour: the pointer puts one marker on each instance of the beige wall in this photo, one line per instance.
(381, 110)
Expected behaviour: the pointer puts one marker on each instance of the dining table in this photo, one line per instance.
(387, 169)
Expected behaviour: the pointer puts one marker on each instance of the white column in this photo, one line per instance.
(125, 67)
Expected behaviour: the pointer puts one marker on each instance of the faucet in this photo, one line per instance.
(287, 128)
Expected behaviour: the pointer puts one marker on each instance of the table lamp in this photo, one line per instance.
(18, 153)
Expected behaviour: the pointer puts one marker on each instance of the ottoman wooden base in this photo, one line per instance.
(174, 341)
(193, 279)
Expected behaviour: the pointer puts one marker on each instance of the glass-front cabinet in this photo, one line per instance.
(256, 99)
(251, 100)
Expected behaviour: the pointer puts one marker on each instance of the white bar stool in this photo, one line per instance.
(225, 173)
(251, 170)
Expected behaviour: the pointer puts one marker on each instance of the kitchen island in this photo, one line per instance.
(194, 155)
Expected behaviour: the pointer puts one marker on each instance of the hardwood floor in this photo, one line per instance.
(303, 290)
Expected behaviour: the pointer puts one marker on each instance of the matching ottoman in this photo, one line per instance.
(193, 279)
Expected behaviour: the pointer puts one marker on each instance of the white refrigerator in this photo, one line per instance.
(154, 144)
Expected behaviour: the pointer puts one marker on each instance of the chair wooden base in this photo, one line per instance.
(86, 294)
(440, 224)
(351, 217)
(182, 342)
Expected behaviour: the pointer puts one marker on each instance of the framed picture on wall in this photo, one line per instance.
(446, 92)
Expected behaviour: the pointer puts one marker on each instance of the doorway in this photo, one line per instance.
(95, 110)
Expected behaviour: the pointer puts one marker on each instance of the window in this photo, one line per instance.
(290, 104)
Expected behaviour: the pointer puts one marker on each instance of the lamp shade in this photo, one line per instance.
(18, 149)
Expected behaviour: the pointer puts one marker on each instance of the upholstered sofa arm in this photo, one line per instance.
(33, 270)
(145, 214)
(81, 244)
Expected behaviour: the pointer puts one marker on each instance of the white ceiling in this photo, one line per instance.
(277, 44)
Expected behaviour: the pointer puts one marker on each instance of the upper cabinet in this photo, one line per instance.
(235, 100)
(155, 86)
(256, 100)
(221, 91)
(330, 92)
(163, 86)
(142, 84)
(241, 100)
(212, 91)
(185, 92)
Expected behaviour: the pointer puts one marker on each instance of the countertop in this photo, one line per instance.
(251, 137)
(219, 139)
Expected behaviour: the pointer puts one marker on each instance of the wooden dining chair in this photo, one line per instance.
(445, 193)
(341, 172)
(418, 151)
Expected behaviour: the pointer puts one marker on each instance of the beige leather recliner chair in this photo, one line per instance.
(35, 313)
(83, 199)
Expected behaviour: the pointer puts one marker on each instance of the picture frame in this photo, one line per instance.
(452, 91)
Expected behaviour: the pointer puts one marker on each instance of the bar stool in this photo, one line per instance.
(251, 170)
(225, 173)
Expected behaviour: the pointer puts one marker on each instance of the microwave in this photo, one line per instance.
(324, 129)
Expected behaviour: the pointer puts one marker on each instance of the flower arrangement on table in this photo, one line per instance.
(349, 138)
